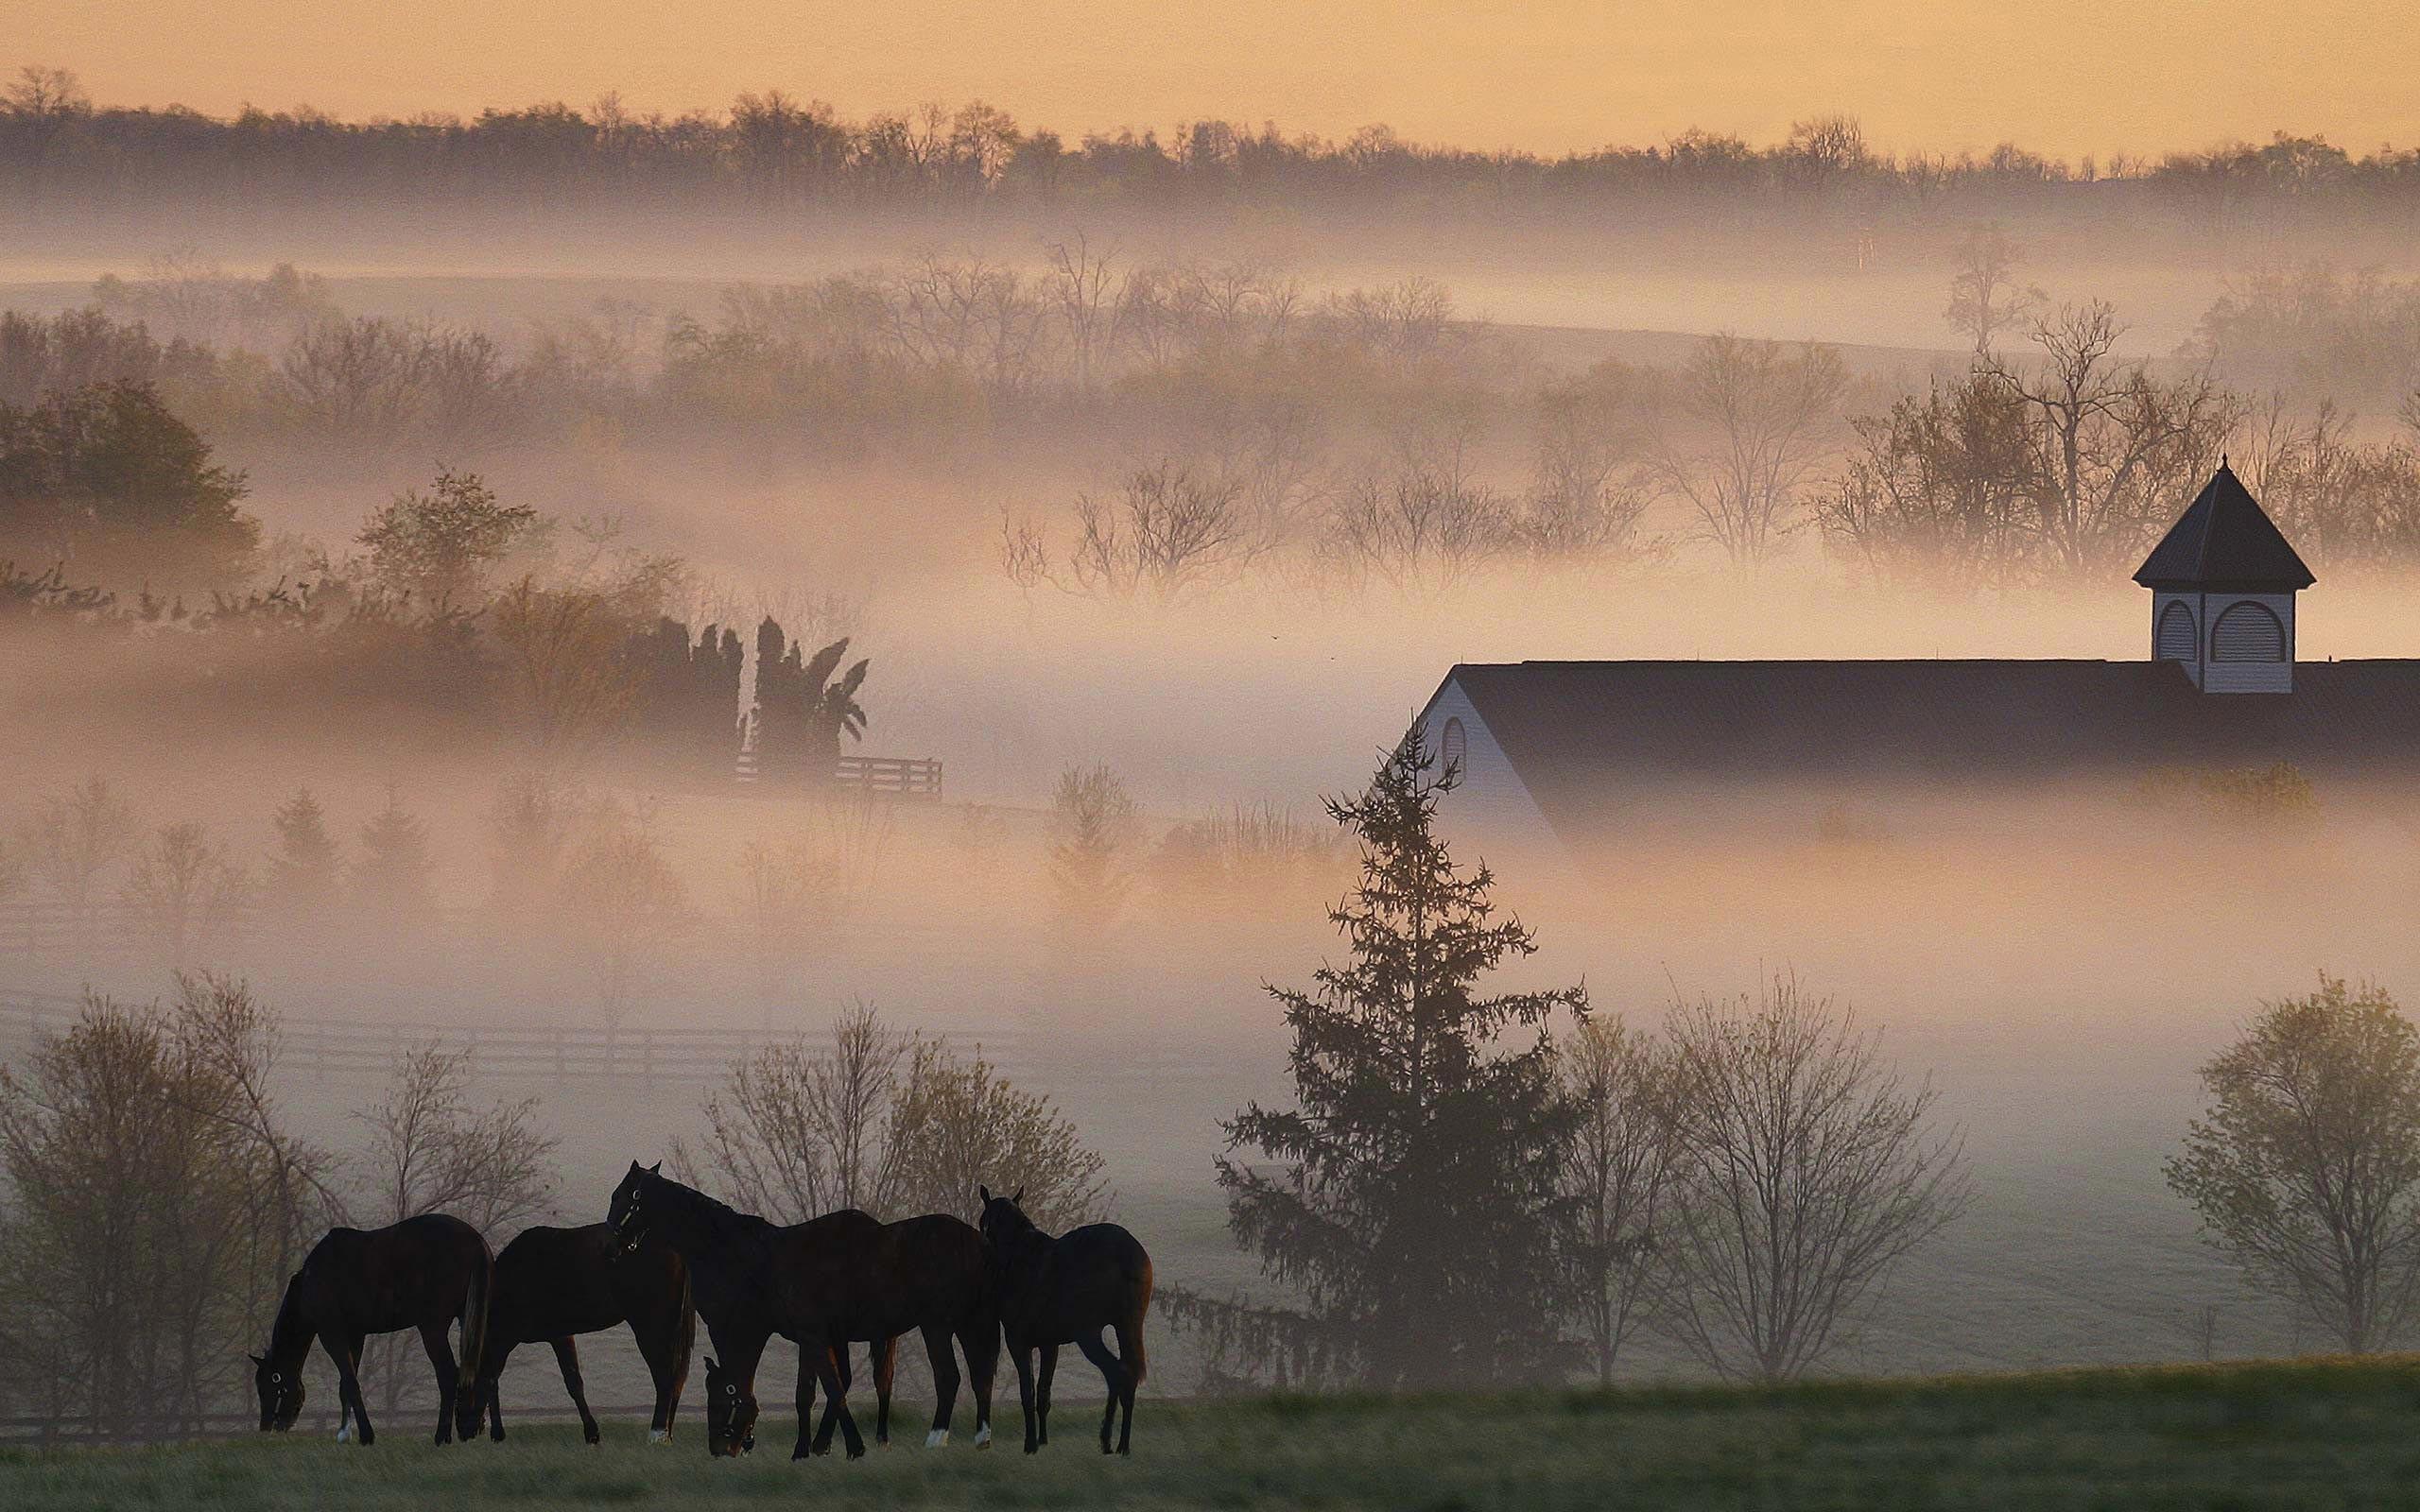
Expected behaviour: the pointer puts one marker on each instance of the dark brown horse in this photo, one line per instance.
(423, 1272)
(553, 1284)
(1065, 1291)
(821, 1285)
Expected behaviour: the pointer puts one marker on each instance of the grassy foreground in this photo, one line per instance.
(2312, 1433)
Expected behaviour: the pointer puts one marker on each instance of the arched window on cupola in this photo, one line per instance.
(2176, 636)
(2248, 632)
(1453, 744)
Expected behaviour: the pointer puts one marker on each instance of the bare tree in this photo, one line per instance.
(564, 672)
(1090, 299)
(72, 844)
(184, 891)
(1806, 1172)
(156, 1207)
(797, 898)
(43, 100)
(2305, 1166)
(891, 1124)
(2116, 448)
(957, 1124)
(428, 1149)
(1580, 504)
(1985, 296)
(1094, 828)
(1419, 530)
(621, 905)
(1615, 1173)
(1767, 413)
(1165, 531)
(795, 1133)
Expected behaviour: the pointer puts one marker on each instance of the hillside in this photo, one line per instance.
(2320, 1434)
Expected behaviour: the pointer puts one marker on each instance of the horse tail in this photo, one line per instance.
(685, 1325)
(474, 1317)
(1140, 1296)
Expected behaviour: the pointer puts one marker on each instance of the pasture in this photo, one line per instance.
(2313, 1434)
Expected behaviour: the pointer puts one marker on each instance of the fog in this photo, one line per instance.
(2056, 956)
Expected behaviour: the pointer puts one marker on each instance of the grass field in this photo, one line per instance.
(2313, 1434)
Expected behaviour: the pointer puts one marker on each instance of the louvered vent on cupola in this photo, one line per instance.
(2222, 583)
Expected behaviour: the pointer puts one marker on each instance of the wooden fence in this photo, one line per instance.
(892, 777)
(634, 1055)
(912, 778)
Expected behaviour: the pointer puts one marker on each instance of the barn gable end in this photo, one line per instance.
(1492, 800)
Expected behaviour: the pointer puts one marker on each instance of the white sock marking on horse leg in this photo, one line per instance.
(344, 1428)
(658, 1435)
(938, 1439)
(983, 1436)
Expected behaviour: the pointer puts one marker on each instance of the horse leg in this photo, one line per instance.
(567, 1356)
(1021, 1356)
(807, 1407)
(1112, 1373)
(493, 1386)
(346, 1352)
(440, 1359)
(831, 1399)
(1130, 1359)
(667, 1373)
(945, 1383)
(884, 1364)
(982, 1346)
(830, 1375)
(1042, 1389)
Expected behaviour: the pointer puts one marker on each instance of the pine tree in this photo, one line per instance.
(392, 879)
(1413, 1196)
(303, 874)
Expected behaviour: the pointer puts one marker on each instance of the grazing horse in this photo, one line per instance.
(552, 1283)
(1065, 1291)
(821, 1285)
(422, 1273)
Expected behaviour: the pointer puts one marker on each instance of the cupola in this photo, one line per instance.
(2222, 583)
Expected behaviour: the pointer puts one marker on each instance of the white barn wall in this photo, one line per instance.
(1492, 805)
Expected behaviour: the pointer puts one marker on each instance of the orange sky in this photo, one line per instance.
(2069, 77)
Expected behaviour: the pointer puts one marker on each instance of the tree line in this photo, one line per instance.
(1359, 438)
(456, 610)
(772, 152)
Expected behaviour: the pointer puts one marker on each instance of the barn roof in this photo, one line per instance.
(1579, 731)
(2225, 541)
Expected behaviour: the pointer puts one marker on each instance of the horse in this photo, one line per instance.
(422, 1273)
(821, 1285)
(553, 1284)
(1065, 1291)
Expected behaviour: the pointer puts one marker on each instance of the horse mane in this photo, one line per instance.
(723, 1220)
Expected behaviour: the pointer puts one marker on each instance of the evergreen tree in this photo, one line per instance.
(1413, 1196)
(392, 879)
(303, 872)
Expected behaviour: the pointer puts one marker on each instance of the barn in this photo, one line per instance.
(1569, 752)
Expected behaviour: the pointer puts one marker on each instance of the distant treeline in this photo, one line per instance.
(770, 152)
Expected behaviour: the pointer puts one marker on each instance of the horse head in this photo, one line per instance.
(1002, 1219)
(280, 1393)
(731, 1413)
(635, 1200)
